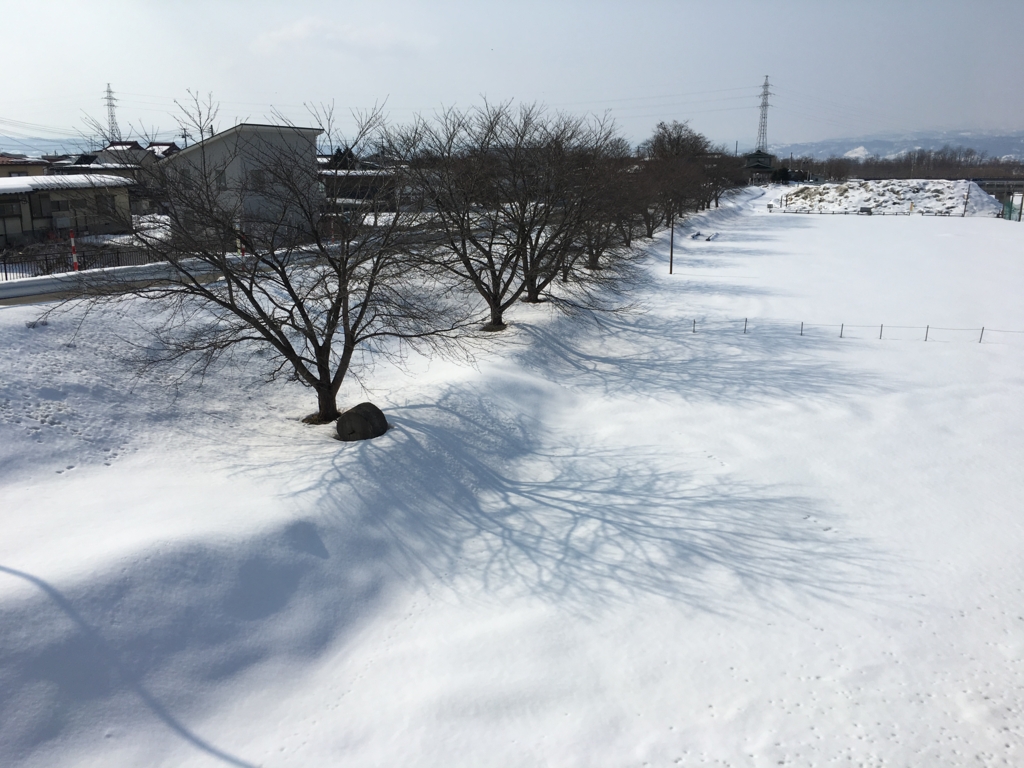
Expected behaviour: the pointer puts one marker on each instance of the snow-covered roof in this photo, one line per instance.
(356, 172)
(122, 146)
(8, 160)
(163, 148)
(21, 184)
(351, 200)
(121, 166)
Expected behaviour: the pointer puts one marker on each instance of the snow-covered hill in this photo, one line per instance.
(632, 539)
(892, 196)
(1008, 145)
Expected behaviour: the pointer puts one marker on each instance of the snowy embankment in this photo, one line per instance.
(612, 541)
(925, 196)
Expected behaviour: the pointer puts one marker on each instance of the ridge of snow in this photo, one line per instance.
(929, 196)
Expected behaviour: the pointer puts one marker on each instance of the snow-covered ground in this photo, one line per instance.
(926, 196)
(611, 542)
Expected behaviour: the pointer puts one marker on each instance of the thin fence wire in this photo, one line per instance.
(751, 326)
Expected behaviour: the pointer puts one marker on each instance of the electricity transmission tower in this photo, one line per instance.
(115, 132)
(762, 126)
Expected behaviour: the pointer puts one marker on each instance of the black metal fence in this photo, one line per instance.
(18, 266)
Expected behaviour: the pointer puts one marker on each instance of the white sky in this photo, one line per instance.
(838, 68)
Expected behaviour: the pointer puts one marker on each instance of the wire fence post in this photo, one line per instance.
(694, 326)
(982, 334)
(744, 319)
(841, 330)
(801, 328)
(926, 329)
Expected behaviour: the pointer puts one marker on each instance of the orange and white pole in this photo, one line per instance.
(74, 253)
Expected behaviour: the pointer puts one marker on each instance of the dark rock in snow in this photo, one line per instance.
(363, 422)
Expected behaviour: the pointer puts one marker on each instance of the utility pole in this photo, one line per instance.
(671, 243)
(112, 129)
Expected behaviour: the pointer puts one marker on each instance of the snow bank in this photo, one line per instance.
(892, 196)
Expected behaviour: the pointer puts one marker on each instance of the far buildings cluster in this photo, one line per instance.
(48, 197)
(44, 199)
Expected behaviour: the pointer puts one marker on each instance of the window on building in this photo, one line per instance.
(222, 180)
(105, 206)
(40, 205)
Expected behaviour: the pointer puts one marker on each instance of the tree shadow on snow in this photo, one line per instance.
(466, 488)
(150, 642)
(647, 354)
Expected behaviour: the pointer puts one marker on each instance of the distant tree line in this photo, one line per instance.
(945, 163)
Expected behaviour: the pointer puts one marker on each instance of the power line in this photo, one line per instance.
(663, 96)
(30, 129)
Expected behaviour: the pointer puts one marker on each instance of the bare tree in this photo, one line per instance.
(510, 192)
(675, 155)
(258, 260)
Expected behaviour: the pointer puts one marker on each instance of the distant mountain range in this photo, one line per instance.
(1008, 145)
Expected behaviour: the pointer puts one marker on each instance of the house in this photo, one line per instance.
(758, 166)
(162, 149)
(128, 159)
(352, 183)
(39, 208)
(118, 158)
(255, 170)
(20, 165)
(349, 189)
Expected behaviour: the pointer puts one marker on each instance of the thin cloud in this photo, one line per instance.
(375, 39)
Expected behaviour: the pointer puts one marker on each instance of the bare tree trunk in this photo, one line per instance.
(532, 290)
(497, 322)
(651, 222)
(327, 405)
